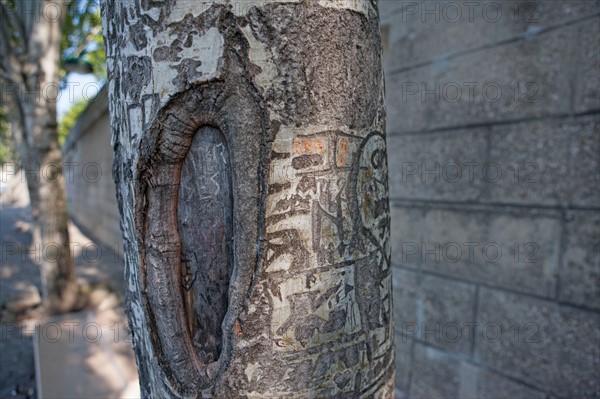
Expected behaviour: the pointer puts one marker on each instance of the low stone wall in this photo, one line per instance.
(90, 186)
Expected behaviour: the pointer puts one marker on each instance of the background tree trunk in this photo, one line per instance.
(251, 177)
(30, 50)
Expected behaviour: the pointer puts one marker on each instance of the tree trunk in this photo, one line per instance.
(251, 172)
(30, 72)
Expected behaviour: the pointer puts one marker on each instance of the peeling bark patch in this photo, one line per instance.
(187, 72)
(205, 225)
(306, 161)
(167, 53)
(138, 74)
(361, 6)
(138, 36)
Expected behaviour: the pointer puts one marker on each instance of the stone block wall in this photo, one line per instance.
(494, 156)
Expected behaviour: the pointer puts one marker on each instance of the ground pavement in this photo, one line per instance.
(107, 360)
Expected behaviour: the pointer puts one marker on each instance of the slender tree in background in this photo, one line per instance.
(250, 163)
(30, 52)
(41, 41)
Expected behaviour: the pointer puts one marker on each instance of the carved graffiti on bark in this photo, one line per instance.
(205, 225)
(328, 256)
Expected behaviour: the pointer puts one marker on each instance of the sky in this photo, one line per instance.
(78, 86)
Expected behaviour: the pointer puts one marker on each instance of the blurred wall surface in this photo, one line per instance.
(88, 164)
(494, 145)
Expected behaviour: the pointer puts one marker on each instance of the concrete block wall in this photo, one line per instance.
(90, 186)
(494, 156)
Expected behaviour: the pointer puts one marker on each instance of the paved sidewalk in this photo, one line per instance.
(94, 354)
(19, 276)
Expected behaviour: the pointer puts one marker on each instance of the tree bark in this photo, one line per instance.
(31, 35)
(251, 172)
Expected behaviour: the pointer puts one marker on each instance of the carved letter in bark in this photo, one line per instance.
(252, 182)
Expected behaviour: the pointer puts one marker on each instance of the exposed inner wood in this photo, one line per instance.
(204, 216)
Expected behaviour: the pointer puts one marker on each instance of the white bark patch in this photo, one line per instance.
(261, 56)
(182, 8)
(241, 8)
(208, 49)
(153, 13)
(290, 132)
(361, 6)
(251, 370)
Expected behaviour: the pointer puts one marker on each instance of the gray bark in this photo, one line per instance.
(251, 172)
(29, 51)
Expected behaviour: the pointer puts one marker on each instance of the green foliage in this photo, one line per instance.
(69, 119)
(82, 47)
(82, 50)
(6, 145)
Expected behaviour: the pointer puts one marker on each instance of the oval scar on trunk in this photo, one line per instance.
(205, 222)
